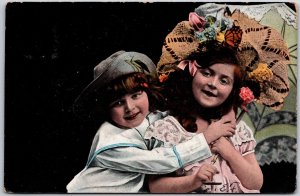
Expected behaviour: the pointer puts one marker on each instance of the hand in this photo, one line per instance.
(206, 173)
(230, 116)
(223, 127)
(222, 146)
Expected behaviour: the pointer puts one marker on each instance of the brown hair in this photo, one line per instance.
(180, 98)
(129, 83)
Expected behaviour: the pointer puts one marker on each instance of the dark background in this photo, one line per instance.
(50, 52)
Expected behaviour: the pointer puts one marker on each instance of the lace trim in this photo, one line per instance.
(169, 131)
(243, 134)
(256, 12)
(277, 149)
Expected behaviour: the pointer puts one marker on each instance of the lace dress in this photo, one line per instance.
(169, 131)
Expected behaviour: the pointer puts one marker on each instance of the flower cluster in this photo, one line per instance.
(210, 28)
(262, 73)
(246, 96)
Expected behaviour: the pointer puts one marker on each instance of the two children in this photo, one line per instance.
(125, 90)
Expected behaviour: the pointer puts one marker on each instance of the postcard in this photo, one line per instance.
(55, 52)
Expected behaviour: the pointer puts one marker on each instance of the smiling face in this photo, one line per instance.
(211, 86)
(130, 110)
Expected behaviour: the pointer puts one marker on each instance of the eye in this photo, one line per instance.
(225, 81)
(116, 103)
(206, 73)
(137, 94)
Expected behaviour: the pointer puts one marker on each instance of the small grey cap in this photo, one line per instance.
(122, 63)
(118, 64)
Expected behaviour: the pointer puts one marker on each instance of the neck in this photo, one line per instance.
(204, 117)
(201, 124)
(209, 114)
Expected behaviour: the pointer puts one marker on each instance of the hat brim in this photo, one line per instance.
(84, 105)
(124, 64)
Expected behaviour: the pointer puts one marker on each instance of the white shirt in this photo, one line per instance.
(120, 158)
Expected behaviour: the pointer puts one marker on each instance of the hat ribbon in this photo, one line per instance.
(193, 66)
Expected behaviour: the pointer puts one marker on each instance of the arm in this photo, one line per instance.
(182, 184)
(245, 167)
(157, 161)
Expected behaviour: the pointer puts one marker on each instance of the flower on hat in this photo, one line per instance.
(196, 21)
(144, 84)
(163, 77)
(220, 37)
(208, 34)
(246, 96)
(209, 28)
(262, 73)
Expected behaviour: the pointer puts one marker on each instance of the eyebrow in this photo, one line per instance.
(223, 75)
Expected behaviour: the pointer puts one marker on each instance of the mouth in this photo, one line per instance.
(209, 93)
(131, 117)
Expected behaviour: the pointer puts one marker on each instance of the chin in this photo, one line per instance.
(137, 123)
(208, 106)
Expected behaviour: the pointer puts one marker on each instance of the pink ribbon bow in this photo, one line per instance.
(193, 66)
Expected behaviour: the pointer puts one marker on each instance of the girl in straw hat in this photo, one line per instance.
(206, 96)
(212, 64)
(124, 89)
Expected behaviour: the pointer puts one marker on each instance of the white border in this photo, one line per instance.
(2, 69)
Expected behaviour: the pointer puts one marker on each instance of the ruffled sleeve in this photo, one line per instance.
(169, 131)
(243, 139)
(188, 147)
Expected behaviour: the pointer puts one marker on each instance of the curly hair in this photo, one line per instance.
(179, 96)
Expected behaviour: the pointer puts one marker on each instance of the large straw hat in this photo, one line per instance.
(261, 50)
(263, 44)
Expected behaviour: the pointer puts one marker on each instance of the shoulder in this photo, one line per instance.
(109, 128)
(109, 135)
(108, 132)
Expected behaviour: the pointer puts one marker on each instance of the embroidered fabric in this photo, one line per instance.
(169, 131)
(243, 134)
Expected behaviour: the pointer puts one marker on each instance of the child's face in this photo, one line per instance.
(211, 86)
(130, 110)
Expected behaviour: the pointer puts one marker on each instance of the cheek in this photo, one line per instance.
(197, 78)
(197, 81)
(145, 106)
(115, 115)
(144, 102)
(226, 90)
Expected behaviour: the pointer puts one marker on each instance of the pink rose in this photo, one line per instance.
(196, 21)
(246, 95)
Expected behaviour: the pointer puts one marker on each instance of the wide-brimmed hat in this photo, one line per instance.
(118, 64)
(261, 50)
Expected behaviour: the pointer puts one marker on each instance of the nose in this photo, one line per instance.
(212, 83)
(129, 105)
